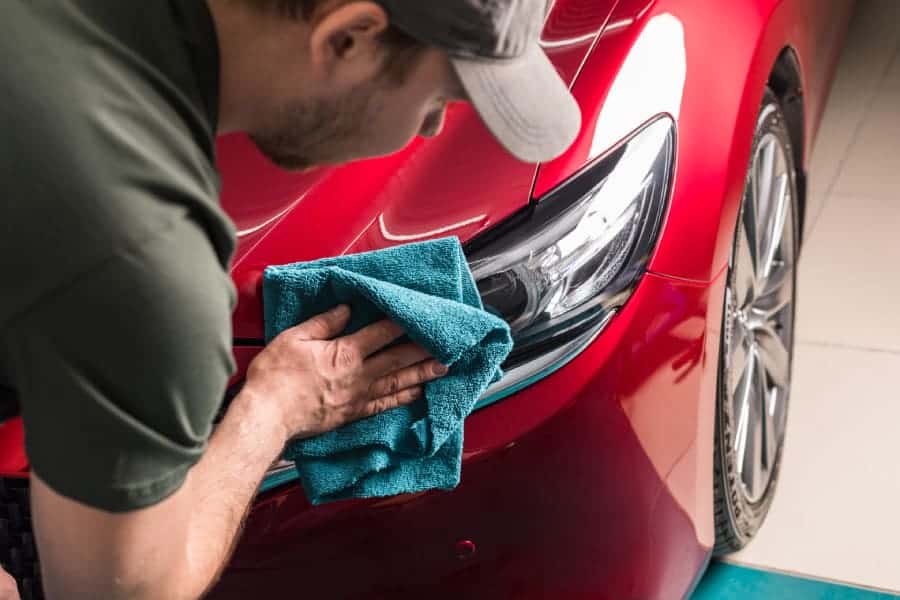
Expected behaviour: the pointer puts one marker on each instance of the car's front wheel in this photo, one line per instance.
(757, 336)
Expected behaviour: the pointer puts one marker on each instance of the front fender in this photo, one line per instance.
(706, 63)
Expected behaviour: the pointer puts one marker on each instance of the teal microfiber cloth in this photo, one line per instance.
(428, 289)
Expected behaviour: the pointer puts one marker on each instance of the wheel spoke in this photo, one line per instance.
(739, 356)
(772, 229)
(750, 241)
(774, 354)
(771, 435)
(744, 271)
(751, 472)
(777, 292)
(765, 174)
(760, 414)
(741, 406)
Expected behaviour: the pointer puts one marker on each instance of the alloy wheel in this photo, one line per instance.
(759, 318)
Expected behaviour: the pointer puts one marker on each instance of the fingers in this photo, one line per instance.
(395, 359)
(8, 587)
(326, 325)
(407, 378)
(371, 339)
(385, 403)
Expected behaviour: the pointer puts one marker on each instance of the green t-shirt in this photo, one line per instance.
(115, 304)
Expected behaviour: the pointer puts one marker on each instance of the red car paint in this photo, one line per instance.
(596, 481)
(558, 495)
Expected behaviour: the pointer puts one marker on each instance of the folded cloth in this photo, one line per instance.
(428, 289)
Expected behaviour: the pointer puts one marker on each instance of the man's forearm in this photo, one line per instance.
(224, 482)
(175, 548)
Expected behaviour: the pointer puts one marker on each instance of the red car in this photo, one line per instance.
(648, 275)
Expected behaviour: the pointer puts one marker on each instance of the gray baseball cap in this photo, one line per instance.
(493, 45)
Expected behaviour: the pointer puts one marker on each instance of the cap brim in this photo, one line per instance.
(523, 102)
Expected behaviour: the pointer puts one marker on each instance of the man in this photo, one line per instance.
(114, 316)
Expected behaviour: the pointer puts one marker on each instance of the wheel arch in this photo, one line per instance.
(786, 81)
(765, 48)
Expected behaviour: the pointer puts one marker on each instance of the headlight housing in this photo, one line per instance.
(559, 270)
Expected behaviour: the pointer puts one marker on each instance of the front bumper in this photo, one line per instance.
(595, 481)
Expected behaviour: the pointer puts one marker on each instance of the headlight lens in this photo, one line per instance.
(559, 270)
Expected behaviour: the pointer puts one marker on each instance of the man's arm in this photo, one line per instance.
(173, 549)
(304, 383)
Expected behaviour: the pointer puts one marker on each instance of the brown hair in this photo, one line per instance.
(401, 49)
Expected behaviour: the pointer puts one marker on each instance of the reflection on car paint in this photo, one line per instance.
(650, 81)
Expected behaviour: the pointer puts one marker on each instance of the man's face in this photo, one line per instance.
(373, 117)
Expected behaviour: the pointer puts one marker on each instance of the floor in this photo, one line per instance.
(836, 515)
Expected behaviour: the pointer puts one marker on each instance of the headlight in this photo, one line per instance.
(558, 271)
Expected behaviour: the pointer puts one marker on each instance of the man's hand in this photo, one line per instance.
(8, 588)
(319, 382)
(307, 381)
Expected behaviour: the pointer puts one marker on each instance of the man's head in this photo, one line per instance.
(328, 81)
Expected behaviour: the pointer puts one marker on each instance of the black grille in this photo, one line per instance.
(18, 553)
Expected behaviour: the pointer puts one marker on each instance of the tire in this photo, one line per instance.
(756, 349)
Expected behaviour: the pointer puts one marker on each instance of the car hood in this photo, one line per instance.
(459, 183)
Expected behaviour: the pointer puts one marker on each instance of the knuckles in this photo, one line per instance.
(424, 372)
(345, 356)
(393, 384)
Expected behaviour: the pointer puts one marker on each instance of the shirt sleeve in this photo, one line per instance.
(121, 371)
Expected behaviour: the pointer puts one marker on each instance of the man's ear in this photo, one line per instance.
(348, 36)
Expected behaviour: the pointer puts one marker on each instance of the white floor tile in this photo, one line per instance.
(849, 278)
(835, 510)
(872, 41)
(873, 165)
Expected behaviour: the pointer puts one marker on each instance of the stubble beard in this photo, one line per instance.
(310, 133)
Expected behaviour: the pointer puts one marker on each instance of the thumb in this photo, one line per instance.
(326, 325)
